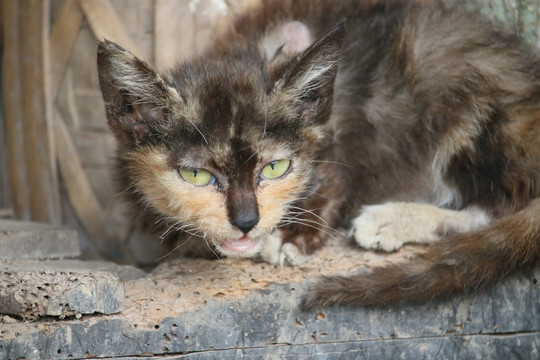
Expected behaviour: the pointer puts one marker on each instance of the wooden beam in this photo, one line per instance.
(106, 24)
(11, 73)
(81, 196)
(39, 154)
(63, 36)
(172, 18)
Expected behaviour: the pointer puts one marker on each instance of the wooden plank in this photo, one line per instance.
(11, 73)
(106, 24)
(172, 18)
(63, 35)
(40, 159)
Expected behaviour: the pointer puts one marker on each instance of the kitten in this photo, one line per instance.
(408, 122)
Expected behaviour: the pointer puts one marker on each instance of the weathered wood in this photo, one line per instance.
(11, 74)
(105, 23)
(40, 159)
(173, 32)
(86, 205)
(63, 35)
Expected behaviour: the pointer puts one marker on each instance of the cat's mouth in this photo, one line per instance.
(243, 246)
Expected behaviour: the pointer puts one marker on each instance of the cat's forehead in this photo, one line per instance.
(231, 118)
(229, 150)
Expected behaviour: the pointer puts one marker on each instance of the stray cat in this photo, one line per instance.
(406, 122)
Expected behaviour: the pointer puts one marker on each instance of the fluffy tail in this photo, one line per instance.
(462, 263)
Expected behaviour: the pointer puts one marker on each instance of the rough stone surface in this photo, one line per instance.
(28, 240)
(33, 289)
(227, 309)
(455, 347)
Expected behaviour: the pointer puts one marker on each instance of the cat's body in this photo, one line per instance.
(407, 123)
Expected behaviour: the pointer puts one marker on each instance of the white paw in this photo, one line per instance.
(292, 256)
(388, 226)
(274, 252)
(271, 249)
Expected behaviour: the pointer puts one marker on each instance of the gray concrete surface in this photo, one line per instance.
(62, 288)
(30, 240)
(502, 322)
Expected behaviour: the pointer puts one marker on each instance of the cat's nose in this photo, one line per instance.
(246, 222)
(242, 208)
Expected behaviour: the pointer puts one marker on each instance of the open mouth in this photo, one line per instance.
(245, 245)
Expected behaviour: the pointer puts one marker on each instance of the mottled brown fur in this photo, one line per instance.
(427, 105)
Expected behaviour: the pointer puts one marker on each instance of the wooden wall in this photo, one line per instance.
(55, 148)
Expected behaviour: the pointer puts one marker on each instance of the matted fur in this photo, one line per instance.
(407, 112)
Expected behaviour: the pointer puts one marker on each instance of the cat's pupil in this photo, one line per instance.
(195, 172)
(273, 164)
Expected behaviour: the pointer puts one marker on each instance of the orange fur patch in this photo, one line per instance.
(203, 209)
(200, 209)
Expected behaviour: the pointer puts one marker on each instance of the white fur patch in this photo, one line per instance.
(388, 226)
(276, 253)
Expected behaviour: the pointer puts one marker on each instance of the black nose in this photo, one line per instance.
(242, 208)
(245, 222)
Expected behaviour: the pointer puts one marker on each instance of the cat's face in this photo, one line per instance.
(223, 147)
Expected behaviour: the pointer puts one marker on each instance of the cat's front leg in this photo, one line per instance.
(306, 225)
(276, 252)
(388, 226)
(292, 245)
(285, 247)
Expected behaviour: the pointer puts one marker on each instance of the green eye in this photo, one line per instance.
(276, 169)
(197, 177)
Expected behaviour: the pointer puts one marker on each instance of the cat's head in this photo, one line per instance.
(223, 146)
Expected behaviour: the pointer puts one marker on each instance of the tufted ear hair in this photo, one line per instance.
(138, 101)
(310, 76)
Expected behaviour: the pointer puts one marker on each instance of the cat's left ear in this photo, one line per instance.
(310, 78)
(137, 99)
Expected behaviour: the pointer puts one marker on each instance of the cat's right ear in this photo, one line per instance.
(138, 101)
(309, 78)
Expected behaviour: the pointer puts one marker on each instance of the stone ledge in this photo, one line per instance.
(32, 289)
(444, 347)
(30, 240)
(231, 308)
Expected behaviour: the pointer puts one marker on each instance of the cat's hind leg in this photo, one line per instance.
(388, 226)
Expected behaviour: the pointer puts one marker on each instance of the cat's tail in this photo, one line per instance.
(462, 263)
